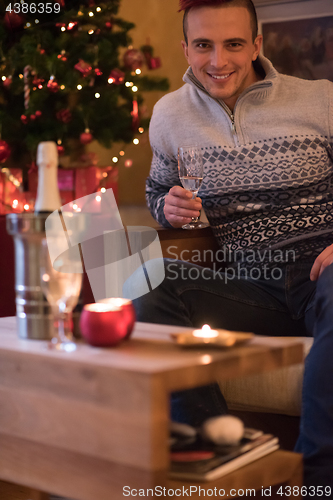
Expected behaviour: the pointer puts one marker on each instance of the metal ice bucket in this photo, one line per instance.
(33, 313)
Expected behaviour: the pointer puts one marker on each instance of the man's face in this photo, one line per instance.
(220, 50)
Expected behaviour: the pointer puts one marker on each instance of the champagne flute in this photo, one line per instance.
(62, 290)
(190, 167)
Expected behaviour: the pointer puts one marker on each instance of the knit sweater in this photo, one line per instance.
(268, 166)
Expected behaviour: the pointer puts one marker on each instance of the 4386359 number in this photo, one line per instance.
(34, 8)
(308, 491)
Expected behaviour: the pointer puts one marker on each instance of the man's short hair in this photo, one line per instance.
(187, 5)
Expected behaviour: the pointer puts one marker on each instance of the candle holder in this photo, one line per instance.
(206, 337)
(106, 324)
(128, 309)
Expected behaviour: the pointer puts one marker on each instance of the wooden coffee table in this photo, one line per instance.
(89, 423)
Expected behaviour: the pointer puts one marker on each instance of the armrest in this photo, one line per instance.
(197, 246)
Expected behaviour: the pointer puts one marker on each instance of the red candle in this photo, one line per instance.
(103, 325)
(127, 306)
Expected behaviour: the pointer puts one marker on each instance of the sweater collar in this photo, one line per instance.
(263, 64)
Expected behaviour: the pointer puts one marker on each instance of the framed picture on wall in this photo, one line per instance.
(259, 3)
(300, 47)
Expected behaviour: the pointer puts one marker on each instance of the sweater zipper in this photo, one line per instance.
(260, 85)
(232, 114)
(232, 119)
(233, 125)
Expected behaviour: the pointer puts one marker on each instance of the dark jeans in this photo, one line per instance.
(282, 302)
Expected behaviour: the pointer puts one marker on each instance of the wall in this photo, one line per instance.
(159, 21)
(295, 9)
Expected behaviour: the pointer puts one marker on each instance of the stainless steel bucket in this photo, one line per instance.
(33, 313)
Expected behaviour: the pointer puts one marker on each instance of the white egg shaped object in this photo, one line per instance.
(223, 430)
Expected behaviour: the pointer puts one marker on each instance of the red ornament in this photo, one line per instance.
(42, 51)
(148, 51)
(38, 114)
(98, 72)
(37, 82)
(133, 59)
(83, 67)
(135, 115)
(86, 137)
(108, 25)
(62, 56)
(32, 117)
(52, 85)
(4, 151)
(7, 83)
(154, 63)
(13, 21)
(24, 119)
(64, 115)
(61, 150)
(117, 77)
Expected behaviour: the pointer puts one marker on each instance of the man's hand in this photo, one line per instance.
(324, 259)
(179, 208)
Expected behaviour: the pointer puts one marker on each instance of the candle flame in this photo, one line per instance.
(205, 332)
(101, 308)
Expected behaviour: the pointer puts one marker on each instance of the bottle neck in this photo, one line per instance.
(48, 195)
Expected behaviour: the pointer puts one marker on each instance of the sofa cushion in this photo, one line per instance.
(278, 391)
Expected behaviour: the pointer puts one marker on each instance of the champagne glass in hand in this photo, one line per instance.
(62, 290)
(190, 166)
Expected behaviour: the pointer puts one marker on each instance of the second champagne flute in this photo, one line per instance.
(190, 167)
(62, 290)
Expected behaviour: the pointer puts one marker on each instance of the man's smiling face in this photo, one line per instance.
(221, 50)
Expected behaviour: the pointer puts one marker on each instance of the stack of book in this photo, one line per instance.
(199, 460)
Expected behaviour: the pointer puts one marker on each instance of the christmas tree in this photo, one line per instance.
(68, 75)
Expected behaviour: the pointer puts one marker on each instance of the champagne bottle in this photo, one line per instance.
(48, 196)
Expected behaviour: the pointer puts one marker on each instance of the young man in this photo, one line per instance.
(267, 191)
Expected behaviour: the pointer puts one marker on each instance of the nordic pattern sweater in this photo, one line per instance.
(268, 167)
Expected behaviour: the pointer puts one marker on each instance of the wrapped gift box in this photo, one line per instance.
(78, 182)
(73, 184)
(89, 180)
(11, 196)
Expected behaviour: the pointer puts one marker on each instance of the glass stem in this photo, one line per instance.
(61, 327)
(194, 195)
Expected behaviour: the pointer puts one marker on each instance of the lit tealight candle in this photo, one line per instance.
(205, 333)
(128, 310)
(107, 323)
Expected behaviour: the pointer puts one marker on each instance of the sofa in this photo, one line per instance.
(270, 401)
